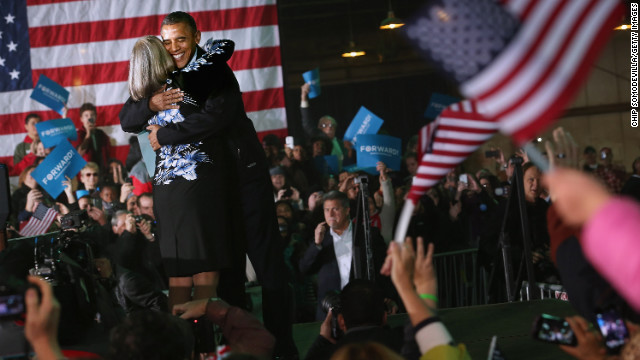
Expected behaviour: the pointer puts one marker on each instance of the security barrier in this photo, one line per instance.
(460, 280)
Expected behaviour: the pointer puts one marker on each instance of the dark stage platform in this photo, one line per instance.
(475, 325)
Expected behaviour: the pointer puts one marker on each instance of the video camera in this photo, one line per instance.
(74, 220)
(362, 179)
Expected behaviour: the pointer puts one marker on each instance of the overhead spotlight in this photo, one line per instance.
(391, 22)
(352, 51)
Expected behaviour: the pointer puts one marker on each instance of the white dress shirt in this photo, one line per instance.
(342, 246)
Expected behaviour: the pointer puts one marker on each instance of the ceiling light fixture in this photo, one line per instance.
(352, 51)
(391, 22)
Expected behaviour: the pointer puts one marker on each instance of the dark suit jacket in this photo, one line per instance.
(323, 261)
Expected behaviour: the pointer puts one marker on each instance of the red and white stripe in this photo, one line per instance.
(459, 130)
(85, 47)
(425, 138)
(539, 72)
(36, 227)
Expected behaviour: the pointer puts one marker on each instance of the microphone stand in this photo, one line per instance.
(362, 217)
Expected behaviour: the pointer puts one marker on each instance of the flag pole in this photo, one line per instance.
(403, 221)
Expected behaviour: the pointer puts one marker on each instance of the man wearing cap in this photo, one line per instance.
(282, 190)
(327, 125)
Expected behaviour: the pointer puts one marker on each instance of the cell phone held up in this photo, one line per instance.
(553, 330)
(464, 179)
(11, 306)
(613, 329)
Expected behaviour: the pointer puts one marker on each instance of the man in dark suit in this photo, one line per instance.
(225, 112)
(336, 254)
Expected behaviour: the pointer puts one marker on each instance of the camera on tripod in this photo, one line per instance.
(55, 259)
(362, 179)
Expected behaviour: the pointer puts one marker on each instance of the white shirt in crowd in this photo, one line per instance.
(343, 245)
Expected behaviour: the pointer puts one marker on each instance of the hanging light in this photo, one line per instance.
(391, 22)
(352, 51)
(623, 27)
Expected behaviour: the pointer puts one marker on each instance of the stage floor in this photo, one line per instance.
(475, 326)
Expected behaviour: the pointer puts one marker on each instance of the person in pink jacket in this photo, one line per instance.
(610, 227)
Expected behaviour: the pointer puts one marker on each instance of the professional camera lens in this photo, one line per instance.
(332, 302)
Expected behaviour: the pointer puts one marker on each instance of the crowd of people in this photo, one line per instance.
(181, 241)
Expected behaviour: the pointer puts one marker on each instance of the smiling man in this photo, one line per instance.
(180, 37)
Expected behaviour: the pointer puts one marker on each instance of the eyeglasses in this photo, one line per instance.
(327, 125)
(90, 174)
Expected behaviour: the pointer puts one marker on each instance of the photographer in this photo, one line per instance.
(90, 204)
(133, 279)
(136, 250)
(282, 190)
(360, 313)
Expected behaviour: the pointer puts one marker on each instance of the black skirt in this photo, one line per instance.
(199, 221)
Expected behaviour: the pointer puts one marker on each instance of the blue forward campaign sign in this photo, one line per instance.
(51, 132)
(63, 161)
(312, 77)
(437, 103)
(51, 94)
(374, 148)
(365, 122)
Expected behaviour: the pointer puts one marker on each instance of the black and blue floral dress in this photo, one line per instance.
(195, 184)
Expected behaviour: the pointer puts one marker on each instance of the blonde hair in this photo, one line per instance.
(90, 166)
(148, 67)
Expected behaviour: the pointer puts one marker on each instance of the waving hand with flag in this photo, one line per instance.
(519, 62)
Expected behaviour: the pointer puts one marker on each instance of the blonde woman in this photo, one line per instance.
(195, 186)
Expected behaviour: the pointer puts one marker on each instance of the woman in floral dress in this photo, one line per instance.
(195, 184)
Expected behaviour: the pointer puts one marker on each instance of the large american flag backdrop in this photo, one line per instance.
(85, 47)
